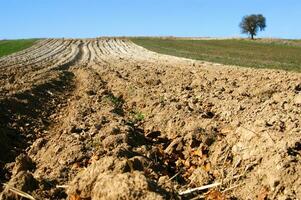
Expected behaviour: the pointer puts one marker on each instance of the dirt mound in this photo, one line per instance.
(107, 119)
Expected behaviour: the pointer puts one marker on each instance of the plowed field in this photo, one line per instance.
(107, 119)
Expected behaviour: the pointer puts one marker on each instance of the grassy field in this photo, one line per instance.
(10, 46)
(277, 54)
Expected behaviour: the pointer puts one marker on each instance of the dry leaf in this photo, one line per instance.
(197, 153)
(75, 197)
(215, 195)
(94, 158)
(263, 194)
(187, 163)
(191, 169)
(207, 167)
(76, 166)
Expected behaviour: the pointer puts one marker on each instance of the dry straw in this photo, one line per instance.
(18, 192)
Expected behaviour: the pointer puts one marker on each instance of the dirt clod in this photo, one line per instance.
(23, 181)
(23, 163)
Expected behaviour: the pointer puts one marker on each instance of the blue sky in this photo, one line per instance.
(91, 18)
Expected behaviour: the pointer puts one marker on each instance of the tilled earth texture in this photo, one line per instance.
(107, 119)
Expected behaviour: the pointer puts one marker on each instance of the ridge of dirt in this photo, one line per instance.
(107, 119)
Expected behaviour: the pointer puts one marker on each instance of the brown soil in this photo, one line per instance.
(107, 119)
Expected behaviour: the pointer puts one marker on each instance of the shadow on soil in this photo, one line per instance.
(25, 115)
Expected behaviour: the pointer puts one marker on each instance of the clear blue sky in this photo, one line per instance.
(91, 18)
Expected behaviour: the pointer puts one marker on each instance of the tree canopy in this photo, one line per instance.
(251, 24)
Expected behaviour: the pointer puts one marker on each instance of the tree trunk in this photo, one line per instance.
(252, 36)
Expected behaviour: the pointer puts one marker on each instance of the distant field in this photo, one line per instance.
(10, 46)
(277, 54)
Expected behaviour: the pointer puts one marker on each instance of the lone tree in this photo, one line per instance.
(250, 24)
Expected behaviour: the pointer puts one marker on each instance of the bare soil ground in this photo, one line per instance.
(107, 119)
